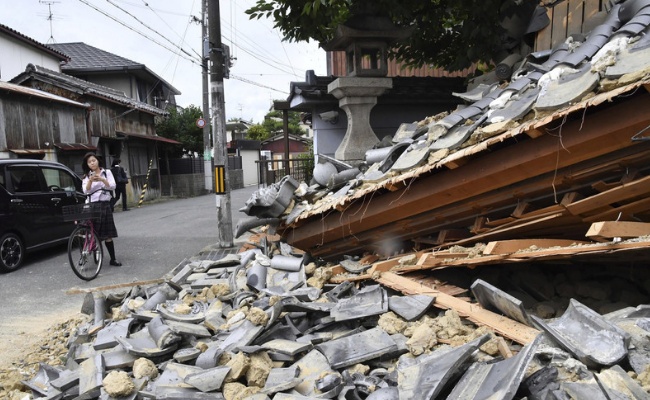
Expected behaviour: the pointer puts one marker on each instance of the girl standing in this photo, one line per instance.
(96, 177)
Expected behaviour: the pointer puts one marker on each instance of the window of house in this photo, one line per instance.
(142, 90)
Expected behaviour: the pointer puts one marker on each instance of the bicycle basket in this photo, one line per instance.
(81, 211)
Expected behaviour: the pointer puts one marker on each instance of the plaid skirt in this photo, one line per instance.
(104, 225)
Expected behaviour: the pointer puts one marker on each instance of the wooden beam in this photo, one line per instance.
(479, 225)
(626, 211)
(625, 191)
(513, 246)
(606, 230)
(534, 133)
(117, 286)
(504, 326)
(521, 209)
(453, 164)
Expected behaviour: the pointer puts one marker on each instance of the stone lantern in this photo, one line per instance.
(365, 40)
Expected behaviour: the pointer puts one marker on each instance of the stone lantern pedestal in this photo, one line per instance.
(357, 96)
(365, 39)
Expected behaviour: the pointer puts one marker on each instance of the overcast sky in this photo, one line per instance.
(262, 71)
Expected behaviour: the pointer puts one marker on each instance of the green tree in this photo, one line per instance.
(258, 132)
(451, 34)
(273, 125)
(181, 126)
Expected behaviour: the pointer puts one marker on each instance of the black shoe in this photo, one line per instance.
(115, 263)
(127, 209)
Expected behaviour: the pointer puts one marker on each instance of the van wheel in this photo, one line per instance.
(12, 252)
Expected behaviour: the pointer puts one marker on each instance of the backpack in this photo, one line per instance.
(112, 192)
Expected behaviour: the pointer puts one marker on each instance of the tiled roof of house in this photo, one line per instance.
(84, 87)
(86, 58)
(608, 65)
(13, 88)
(26, 39)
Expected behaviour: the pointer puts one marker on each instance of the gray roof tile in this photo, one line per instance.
(83, 56)
(90, 88)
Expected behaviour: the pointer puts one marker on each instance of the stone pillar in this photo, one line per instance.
(357, 96)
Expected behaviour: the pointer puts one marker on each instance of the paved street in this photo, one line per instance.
(152, 241)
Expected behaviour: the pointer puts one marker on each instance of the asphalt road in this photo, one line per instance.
(153, 240)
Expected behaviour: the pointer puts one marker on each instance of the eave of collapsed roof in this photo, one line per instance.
(390, 208)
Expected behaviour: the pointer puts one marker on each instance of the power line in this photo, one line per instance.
(172, 29)
(148, 27)
(239, 78)
(194, 61)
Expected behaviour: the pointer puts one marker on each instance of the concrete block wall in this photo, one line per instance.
(187, 185)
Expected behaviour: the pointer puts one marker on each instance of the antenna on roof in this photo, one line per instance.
(49, 18)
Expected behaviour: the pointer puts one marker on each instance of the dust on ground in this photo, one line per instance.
(27, 341)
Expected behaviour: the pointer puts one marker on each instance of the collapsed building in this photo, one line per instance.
(498, 251)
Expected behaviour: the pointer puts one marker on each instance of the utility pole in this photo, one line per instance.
(207, 144)
(217, 66)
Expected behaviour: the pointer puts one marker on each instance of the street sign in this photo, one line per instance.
(200, 122)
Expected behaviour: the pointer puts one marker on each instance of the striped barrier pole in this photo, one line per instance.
(146, 182)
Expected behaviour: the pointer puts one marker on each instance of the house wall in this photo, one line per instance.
(29, 123)
(567, 18)
(120, 82)
(336, 67)
(277, 147)
(128, 84)
(249, 166)
(17, 54)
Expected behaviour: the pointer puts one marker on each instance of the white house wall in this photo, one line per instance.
(16, 55)
(248, 158)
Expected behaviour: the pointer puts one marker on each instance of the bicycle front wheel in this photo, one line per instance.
(85, 253)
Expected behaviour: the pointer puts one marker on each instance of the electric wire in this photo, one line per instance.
(148, 27)
(183, 42)
(191, 59)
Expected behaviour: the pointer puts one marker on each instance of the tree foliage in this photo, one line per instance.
(181, 126)
(451, 34)
(258, 132)
(273, 125)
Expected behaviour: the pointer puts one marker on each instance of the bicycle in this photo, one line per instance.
(85, 251)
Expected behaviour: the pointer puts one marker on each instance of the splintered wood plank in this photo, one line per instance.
(625, 211)
(625, 191)
(513, 246)
(500, 221)
(504, 326)
(503, 347)
(605, 230)
(116, 286)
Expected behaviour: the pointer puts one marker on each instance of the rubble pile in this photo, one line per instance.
(267, 324)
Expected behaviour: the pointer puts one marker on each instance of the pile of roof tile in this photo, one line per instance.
(266, 324)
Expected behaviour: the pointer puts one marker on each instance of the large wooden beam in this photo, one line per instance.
(504, 326)
(606, 230)
(600, 133)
